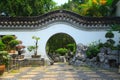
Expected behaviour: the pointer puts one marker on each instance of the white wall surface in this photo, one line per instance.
(80, 36)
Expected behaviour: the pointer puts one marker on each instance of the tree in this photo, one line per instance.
(62, 51)
(110, 42)
(96, 8)
(26, 7)
(36, 43)
(13, 44)
(6, 40)
(109, 34)
(93, 8)
(71, 47)
(10, 42)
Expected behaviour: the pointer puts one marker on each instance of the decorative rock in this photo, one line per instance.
(80, 55)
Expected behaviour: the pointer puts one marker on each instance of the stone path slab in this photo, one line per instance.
(60, 71)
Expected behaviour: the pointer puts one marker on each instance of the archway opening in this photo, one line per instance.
(61, 47)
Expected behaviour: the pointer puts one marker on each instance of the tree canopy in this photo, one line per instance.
(26, 7)
(93, 8)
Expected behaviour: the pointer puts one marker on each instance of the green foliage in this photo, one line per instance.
(110, 42)
(57, 41)
(93, 8)
(13, 43)
(4, 57)
(6, 40)
(38, 7)
(93, 50)
(2, 46)
(115, 27)
(62, 51)
(100, 45)
(109, 45)
(109, 34)
(10, 42)
(71, 47)
(36, 38)
(26, 7)
(36, 43)
(31, 48)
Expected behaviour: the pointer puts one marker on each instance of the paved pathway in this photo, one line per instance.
(60, 71)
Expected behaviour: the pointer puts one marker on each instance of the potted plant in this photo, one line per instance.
(4, 58)
(6, 40)
(35, 47)
(13, 44)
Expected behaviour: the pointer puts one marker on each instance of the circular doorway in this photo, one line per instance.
(60, 47)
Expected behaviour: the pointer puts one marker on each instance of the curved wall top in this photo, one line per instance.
(40, 22)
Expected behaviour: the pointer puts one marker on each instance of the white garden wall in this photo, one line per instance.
(80, 36)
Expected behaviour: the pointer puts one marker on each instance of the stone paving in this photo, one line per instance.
(60, 71)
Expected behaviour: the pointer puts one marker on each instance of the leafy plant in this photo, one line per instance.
(62, 51)
(2, 46)
(71, 47)
(26, 7)
(115, 27)
(93, 50)
(6, 40)
(110, 42)
(4, 57)
(36, 43)
(13, 44)
(31, 48)
(109, 34)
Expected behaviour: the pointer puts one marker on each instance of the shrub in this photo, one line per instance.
(92, 51)
(4, 57)
(62, 51)
(13, 43)
(109, 34)
(6, 40)
(2, 46)
(71, 47)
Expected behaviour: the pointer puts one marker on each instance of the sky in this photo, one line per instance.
(59, 2)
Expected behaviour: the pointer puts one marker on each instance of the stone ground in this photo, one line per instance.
(60, 71)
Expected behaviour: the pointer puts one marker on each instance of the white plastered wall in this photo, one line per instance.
(80, 36)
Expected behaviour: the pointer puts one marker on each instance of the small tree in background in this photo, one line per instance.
(72, 47)
(10, 42)
(6, 40)
(62, 51)
(110, 42)
(93, 50)
(36, 43)
(13, 44)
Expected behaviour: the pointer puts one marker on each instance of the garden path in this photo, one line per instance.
(60, 71)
